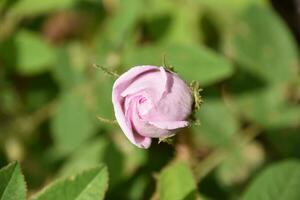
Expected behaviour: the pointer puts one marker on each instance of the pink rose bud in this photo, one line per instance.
(151, 102)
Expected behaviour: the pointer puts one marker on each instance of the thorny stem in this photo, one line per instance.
(111, 73)
(104, 120)
(165, 65)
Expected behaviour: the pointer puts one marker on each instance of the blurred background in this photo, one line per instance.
(244, 53)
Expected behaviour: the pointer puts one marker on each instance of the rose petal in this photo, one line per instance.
(143, 127)
(154, 81)
(119, 86)
(170, 125)
(165, 109)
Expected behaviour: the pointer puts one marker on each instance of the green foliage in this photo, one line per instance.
(12, 184)
(258, 46)
(34, 55)
(31, 7)
(176, 182)
(241, 52)
(67, 73)
(90, 184)
(218, 125)
(71, 123)
(279, 181)
(191, 62)
(123, 20)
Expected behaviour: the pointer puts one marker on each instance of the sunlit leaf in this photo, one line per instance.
(93, 152)
(91, 184)
(279, 181)
(72, 124)
(264, 46)
(123, 20)
(66, 72)
(33, 7)
(176, 182)
(217, 123)
(34, 55)
(12, 184)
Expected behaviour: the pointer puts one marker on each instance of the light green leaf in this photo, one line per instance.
(33, 54)
(280, 181)
(138, 188)
(71, 125)
(267, 106)
(171, 21)
(240, 162)
(89, 185)
(100, 150)
(236, 5)
(33, 7)
(264, 46)
(123, 20)
(68, 74)
(93, 152)
(190, 62)
(12, 183)
(102, 89)
(176, 182)
(218, 124)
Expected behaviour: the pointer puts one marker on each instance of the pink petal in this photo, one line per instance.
(170, 125)
(182, 98)
(119, 86)
(143, 127)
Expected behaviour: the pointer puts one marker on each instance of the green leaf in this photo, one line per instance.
(12, 183)
(123, 21)
(99, 150)
(259, 39)
(218, 124)
(91, 184)
(33, 54)
(240, 162)
(67, 73)
(232, 4)
(171, 21)
(71, 125)
(102, 89)
(33, 7)
(285, 141)
(279, 181)
(138, 188)
(93, 152)
(267, 106)
(176, 182)
(190, 62)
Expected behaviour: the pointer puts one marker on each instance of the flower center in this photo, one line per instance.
(144, 106)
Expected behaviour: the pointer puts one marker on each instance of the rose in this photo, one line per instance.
(150, 102)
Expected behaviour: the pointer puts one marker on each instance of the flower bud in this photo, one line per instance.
(151, 102)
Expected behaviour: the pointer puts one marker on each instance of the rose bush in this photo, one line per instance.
(151, 102)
